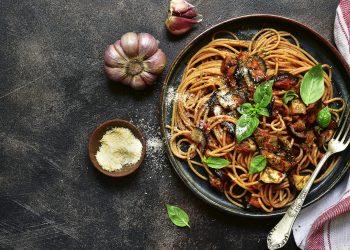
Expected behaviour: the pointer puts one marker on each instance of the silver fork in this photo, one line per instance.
(279, 235)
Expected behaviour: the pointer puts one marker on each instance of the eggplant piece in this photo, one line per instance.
(299, 125)
(312, 111)
(228, 63)
(199, 137)
(247, 146)
(265, 140)
(241, 61)
(228, 68)
(221, 174)
(213, 104)
(314, 107)
(285, 81)
(285, 142)
(272, 176)
(213, 99)
(300, 181)
(277, 162)
(297, 107)
(300, 135)
(234, 113)
(230, 127)
(230, 79)
(228, 100)
(256, 68)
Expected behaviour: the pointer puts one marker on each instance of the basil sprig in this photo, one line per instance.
(257, 164)
(246, 108)
(312, 85)
(263, 94)
(249, 121)
(215, 162)
(324, 117)
(288, 96)
(245, 127)
(264, 112)
(178, 216)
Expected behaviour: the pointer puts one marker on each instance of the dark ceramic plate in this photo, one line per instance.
(245, 27)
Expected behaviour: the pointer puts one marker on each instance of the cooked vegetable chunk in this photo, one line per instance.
(300, 181)
(272, 176)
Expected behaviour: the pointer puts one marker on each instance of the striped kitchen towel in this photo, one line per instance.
(326, 223)
(341, 29)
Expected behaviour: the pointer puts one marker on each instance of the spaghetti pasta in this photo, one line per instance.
(215, 83)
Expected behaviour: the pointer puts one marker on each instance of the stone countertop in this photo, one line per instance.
(53, 93)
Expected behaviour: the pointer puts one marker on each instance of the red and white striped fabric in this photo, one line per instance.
(342, 28)
(326, 223)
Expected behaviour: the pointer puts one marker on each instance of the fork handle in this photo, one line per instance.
(279, 235)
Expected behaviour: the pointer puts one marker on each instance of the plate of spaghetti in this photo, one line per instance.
(248, 108)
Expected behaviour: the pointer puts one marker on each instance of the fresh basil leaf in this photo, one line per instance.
(216, 162)
(257, 164)
(263, 111)
(324, 117)
(288, 96)
(312, 85)
(245, 127)
(263, 94)
(245, 108)
(178, 216)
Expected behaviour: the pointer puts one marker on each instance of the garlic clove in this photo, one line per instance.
(113, 58)
(156, 63)
(182, 17)
(180, 6)
(179, 25)
(148, 45)
(137, 82)
(190, 13)
(129, 43)
(126, 80)
(119, 49)
(148, 78)
(116, 74)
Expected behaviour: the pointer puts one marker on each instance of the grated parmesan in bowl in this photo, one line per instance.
(117, 148)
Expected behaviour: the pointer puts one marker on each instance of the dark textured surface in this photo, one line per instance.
(53, 93)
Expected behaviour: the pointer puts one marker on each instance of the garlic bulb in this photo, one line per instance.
(182, 17)
(134, 60)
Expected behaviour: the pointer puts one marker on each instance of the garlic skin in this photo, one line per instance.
(182, 16)
(134, 60)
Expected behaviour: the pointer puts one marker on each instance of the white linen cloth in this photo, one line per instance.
(326, 223)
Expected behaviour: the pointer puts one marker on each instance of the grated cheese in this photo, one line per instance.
(119, 147)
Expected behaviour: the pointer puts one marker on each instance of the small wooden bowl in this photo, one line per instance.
(94, 145)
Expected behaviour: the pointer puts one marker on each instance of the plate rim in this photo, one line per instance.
(184, 50)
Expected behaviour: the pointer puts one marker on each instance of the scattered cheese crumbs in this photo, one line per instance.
(174, 97)
(155, 144)
(119, 147)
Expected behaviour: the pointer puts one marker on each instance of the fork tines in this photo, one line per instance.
(342, 133)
